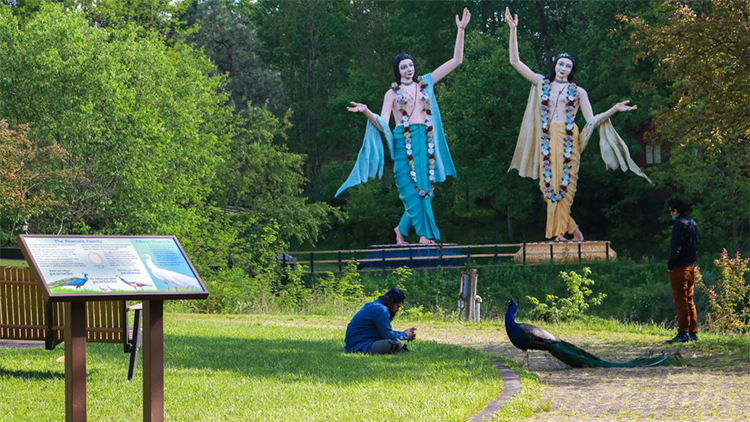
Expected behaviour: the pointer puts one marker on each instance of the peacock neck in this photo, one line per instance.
(510, 318)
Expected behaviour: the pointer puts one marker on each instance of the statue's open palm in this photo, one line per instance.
(623, 106)
(357, 107)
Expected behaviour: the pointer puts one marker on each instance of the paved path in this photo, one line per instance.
(685, 393)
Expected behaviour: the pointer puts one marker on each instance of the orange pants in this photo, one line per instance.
(682, 281)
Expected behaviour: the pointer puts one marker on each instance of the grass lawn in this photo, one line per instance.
(240, 368)
(13, 263)
(293, 368)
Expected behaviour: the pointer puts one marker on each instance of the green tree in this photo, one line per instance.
(30, 177)
(701, 57)
(227, 35)
(262, 178)
(311, 47)
(143, 124)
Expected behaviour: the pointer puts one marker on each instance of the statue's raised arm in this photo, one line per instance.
(515, 61)
(417, 144)
(458, 50)
(549, 145)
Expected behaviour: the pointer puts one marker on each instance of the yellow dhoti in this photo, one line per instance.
(559, 220)
(527, 158)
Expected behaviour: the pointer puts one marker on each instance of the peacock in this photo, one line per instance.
(76, 282)
(528, 337)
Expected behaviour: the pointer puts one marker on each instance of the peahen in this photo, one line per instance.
(528, 337)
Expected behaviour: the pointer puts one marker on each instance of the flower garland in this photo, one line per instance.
(567, 147)
(407, 134)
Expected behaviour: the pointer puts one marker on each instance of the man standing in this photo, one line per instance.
(370, 330)
(683, 251)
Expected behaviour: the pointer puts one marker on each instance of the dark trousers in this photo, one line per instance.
(682, 281)
(384, 347)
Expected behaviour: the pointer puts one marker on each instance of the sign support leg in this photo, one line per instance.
(153, 361)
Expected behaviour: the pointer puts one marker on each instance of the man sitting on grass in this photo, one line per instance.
(370, 330)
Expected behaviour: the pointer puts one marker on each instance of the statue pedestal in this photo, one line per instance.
(564, 252)
(413, 256)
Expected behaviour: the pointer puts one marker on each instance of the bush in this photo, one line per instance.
(573, 306)
(635, 292)
(728, 298)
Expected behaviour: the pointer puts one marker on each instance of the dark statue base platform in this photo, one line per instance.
(413, 256)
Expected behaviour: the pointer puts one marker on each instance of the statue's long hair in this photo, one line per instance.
(396, 61)
(553, 63)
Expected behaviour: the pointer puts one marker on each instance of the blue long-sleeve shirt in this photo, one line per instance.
(683, 249)
(370, 324)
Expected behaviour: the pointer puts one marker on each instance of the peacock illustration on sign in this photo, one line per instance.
(76, 282)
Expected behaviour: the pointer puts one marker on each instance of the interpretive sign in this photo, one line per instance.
(72, 268)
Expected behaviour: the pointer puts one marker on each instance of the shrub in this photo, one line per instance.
(728, 299)
(575, 305)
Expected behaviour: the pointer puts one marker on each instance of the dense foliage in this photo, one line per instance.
(223, 122)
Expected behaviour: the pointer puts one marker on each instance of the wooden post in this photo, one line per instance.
(153, 361)
(551, 254)
(471, 293)
(75, 362)
(606, 252)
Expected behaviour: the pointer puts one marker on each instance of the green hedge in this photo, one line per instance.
(635, 292)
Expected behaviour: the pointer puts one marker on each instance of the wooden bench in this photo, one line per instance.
(26, 315)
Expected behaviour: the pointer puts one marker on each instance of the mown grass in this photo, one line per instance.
(293, 368)
(13, 263)
(241, 368)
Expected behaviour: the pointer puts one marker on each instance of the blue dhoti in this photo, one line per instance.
(371, 158)
(418, 210)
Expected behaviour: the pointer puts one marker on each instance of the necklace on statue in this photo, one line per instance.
(402, 102)
(567, 146)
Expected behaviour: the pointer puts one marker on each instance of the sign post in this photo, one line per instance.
(75, 361)
(153, 361)
(77, 269)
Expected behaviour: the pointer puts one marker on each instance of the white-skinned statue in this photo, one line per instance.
(549, 144)
(417, 145)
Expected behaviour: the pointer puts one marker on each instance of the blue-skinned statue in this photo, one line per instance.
(417, 145)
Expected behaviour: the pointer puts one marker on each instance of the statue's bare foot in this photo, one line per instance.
(399, 237)
(577, 235)
(425, 241)
(561, 238)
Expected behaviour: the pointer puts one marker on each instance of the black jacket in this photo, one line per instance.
(683, 250)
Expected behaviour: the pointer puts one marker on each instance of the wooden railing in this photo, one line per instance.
(487, 254)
